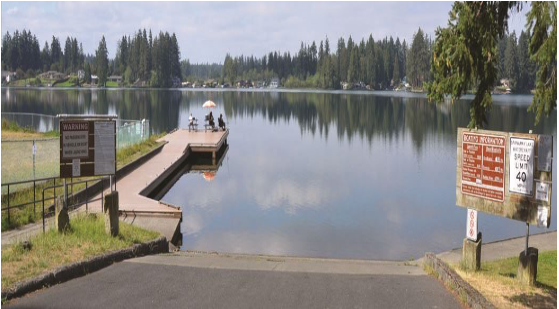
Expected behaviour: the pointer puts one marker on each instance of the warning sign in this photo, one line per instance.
(483, 165)
(521, 175)
(471, 225)
(87, 147)
(75, 139)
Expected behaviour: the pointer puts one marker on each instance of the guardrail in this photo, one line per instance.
(85, 193)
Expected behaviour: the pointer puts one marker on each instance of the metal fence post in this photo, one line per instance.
(86, 196)
(8, 204)
(34, 212)
(43, 210)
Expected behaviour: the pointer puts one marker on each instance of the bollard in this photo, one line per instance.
(471, 253)
(528, 266)
(61, 218)
(110, 209)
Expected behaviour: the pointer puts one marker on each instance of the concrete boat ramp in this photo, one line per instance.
(139, 190)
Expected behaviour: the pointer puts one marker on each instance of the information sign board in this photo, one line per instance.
(545, 152)
(499, 173)
(104, 147)
(483, 166)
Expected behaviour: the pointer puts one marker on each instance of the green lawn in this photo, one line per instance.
(498, 283)
(547, 268)
(85, 238)
(112, 84)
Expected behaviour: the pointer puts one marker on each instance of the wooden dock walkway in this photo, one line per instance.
(153, 173)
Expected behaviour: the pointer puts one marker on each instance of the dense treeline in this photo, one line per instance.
(204, 71)
(515, 64)
(144, 58)
(153, 61)
(21, 51)
(378, 64)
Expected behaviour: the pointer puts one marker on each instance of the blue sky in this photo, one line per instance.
(208, 30)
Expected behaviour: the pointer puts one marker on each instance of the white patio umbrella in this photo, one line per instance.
(209, 104)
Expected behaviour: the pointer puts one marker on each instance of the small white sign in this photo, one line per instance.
(545, 152)
(542, 216)
(104, 147)
(471, 225)
(542, 189)
(521, 165)
(76, 168)
(34, 149)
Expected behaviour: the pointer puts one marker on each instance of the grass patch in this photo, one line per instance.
(85, 238)
(497, 282)
(112, 84)
(27, 214)
(133, 152)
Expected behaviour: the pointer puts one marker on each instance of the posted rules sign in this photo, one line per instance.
(505, 174)
(521, 175)
(483, 166)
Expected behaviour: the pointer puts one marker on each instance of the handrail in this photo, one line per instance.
(26, 181)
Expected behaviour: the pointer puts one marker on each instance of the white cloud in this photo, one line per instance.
(12, 11)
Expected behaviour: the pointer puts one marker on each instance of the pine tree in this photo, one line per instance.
(102, 62)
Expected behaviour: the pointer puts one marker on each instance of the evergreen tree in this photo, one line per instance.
(102, 62)
(511, 61)
(466, 54)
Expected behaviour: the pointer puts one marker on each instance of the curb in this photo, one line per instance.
(450, 278)
(82, 268)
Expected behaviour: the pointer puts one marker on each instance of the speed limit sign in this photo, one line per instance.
(471, 225)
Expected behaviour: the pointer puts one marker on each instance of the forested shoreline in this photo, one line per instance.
(142, 60)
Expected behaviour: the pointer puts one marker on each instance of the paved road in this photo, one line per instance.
(205, 281)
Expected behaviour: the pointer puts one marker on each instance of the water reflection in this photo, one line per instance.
(315, 174)
(362, 116)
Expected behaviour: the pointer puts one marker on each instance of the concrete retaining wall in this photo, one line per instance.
(450, 278)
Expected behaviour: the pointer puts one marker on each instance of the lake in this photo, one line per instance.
(311, 173)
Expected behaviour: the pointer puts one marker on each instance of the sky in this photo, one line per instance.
(206, 31)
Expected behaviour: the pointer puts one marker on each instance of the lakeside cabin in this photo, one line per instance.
(275, 83)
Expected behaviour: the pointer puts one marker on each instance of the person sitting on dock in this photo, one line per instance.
(220, 122)
(211, 119)
(192, 122)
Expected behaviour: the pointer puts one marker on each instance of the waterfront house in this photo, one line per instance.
(8, 76)
(114, 78)
(275, 83)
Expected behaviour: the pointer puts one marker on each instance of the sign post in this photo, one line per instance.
(505, 174)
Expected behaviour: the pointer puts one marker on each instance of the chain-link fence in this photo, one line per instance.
(130, 132)
(28, 159)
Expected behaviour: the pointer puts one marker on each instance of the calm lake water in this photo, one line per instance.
(309, 173)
